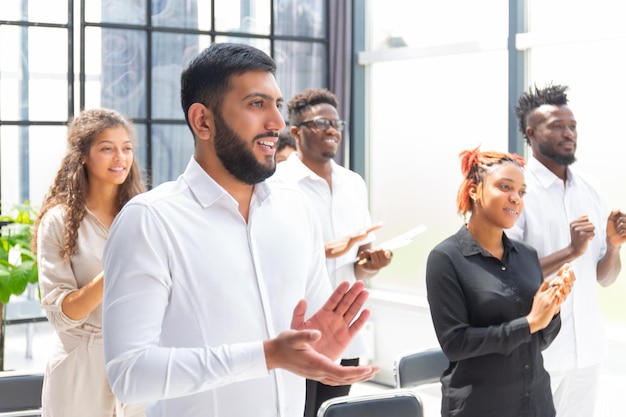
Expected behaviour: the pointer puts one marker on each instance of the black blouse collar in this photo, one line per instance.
(469, 246)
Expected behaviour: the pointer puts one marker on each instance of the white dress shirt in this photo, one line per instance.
(192, 290)
(549, 208)
(342, 211)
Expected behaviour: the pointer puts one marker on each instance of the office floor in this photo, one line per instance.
(20, 356)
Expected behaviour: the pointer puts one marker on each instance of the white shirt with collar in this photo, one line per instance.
(342, 212)
(549, 208)
(192, 290)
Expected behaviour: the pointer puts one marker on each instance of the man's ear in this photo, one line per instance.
(293, 130)
(201, 121)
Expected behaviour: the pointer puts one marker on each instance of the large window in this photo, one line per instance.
(438, 83)
(60, 56)
(588, 58)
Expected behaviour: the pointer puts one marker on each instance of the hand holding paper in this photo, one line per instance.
(398, 241)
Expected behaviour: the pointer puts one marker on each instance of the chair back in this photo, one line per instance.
(396, 403)
(20, 394)
(419, 368)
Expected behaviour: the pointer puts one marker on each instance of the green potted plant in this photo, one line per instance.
(18, 264)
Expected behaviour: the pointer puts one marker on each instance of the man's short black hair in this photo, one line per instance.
(207, 77)
(308, 97)
(535, 97)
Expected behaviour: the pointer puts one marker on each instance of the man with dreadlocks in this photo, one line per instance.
(567, 220)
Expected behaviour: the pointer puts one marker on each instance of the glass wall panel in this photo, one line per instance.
(170, 54)
(141, 149)
(182, 14)
(589, 59)
(43, 11)
(48, 145)
(247, 16)
(300, 65)
(113, 60)
(259, 43)
(172, 147)
(9, 165)
(427, 23)
(12, 71)
(116, 11)
(33, 73)
(422, 112)
(46, 148)
(300, 18)
(122, 54)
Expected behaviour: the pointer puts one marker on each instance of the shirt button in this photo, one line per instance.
(526, 395)
(504, 268)
(526, 366)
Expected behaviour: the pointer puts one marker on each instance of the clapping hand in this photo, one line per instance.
(548, 299)
(341, 246)
(581, 232)
(563, 281)
(311, 348)
(616, 228)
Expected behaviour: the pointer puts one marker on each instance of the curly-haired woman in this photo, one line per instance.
(98, 175)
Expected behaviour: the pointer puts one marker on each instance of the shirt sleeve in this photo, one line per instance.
(548, 334)
(451, 318)
(56, 277)
(137, 288)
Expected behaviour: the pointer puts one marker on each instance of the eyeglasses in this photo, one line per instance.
(323, 123)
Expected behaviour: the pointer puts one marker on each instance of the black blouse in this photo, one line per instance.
(478, 306)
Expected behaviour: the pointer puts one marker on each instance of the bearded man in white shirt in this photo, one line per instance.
(567, 220)
(203, 316)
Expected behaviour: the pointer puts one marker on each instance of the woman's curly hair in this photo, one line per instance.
(71, 181)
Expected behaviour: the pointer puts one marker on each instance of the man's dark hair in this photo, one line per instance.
(285, 139)
(207, 77)
(308, 97)
(535, 97)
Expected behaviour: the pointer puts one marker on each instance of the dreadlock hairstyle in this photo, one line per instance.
(552, 94)
(309, 97)
(71, 182)
(474, 165)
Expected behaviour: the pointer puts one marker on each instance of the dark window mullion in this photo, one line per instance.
(148, 69)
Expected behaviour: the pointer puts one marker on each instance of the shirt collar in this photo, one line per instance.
(207, 191)
(469, 246)
(300, 171)
(546, 177)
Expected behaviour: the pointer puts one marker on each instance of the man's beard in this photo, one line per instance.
(547, 151)
(240, 161)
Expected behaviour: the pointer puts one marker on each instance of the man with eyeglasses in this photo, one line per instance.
(339, 196)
